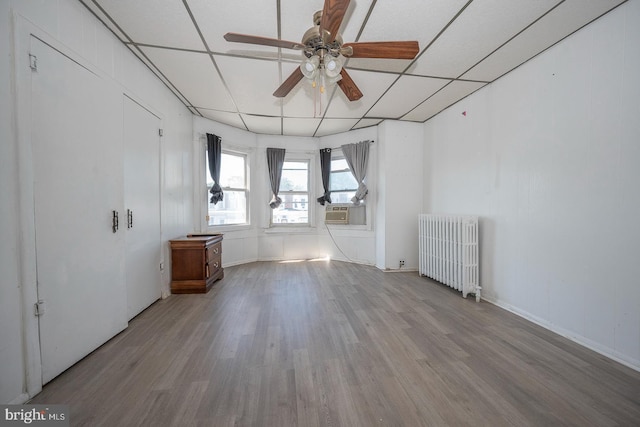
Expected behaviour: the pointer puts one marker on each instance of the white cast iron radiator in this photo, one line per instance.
(448, 251)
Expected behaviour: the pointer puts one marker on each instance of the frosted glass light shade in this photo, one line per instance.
(332, 66)
(309, 66)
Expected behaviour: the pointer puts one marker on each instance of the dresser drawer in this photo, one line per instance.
(214, 252)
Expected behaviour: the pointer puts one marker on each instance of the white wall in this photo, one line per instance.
(68, 23)
(11, 366)
(548, 156)
(259, 242)
(400, 200)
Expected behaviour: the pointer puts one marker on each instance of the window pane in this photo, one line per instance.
(295, 176)
(343, 196)
(231, 210)
(342, 181)
(294, 209)
(339, 164)
(232, 171)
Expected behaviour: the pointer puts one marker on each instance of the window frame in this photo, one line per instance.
(340, 156)
(310, 160)
(205, 177)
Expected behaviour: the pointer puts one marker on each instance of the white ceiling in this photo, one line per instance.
(464, 45)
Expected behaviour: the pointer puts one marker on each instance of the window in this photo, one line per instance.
(294, 192)
(233, 180)
(342, 184)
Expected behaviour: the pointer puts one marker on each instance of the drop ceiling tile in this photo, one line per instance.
(105, 20)
(195, 77)
(476, 33)
(408, 92)
(559, 23)
(365, 123)
(257, 97)
(156, 71)
(449, 95)
(257, 18)
(261, 124)
(372, 85)
(159, 23)
(388, 65)
(231, 119)
(354, 19)
(300, 127)
(297, 17)
(333, 126)
(403, 20)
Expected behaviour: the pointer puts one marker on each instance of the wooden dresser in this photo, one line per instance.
(196, 263)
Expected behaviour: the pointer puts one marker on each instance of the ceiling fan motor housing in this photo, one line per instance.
(318, 42)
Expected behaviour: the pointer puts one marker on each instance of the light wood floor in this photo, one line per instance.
(337, 344)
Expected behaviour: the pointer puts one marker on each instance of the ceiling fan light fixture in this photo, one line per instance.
(336, 79)
(309, 67)
(332, 66)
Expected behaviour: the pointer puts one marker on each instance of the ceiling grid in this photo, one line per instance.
(463, 45)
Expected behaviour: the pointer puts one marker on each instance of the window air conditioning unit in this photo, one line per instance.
(336, 215)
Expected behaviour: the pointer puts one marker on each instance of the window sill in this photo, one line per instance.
(227, 228)
(349, 227)
(287, 229)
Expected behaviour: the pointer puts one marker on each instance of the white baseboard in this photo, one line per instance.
(23, 398)
(579, 339)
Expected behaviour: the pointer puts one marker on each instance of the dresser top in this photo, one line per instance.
(198, 238)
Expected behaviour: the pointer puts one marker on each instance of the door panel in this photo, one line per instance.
(142, 200)
(77, 162)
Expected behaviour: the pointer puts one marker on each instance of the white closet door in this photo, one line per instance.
(142, 206)
(77, 170)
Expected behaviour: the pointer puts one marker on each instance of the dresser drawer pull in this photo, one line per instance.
(216, 265)
(215, 250)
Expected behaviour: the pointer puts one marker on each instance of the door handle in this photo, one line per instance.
(129, 218)
(114, 221)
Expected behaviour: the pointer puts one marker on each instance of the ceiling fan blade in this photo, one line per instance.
(265, 41)
(332, 16)
(289, 84)
(348, 86)
(388, 50)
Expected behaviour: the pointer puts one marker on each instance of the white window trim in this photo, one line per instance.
(340, 156)
(292, 156)
(202, 188)
(368, 202)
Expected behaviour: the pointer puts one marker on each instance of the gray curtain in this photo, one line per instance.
(275, 160)
(357, 157)
(214, 152)
(325, 171)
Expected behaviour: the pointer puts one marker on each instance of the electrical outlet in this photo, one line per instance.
(401, 263)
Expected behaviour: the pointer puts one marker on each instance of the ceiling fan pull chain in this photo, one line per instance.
(320, 92)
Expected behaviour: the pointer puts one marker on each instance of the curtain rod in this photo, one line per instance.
(370, 141)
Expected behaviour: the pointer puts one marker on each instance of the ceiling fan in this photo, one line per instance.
(325, 52)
